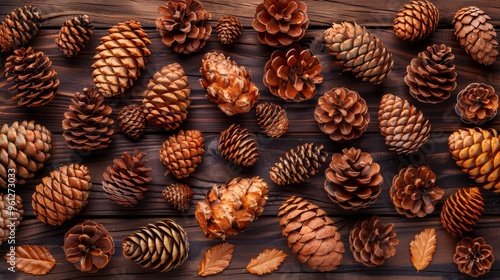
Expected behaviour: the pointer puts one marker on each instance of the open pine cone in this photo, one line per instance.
(132, 121)
(181, 153)
(19, 27)
(178, 195)
(416, 20)
(272, 119)
(11, 215)
(474, 257)
(462, 210)
(74, 35)
(477, 103)
(238, 145)
(228, 29)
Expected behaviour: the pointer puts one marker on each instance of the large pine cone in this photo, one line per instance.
(228, 29)
(353, 180)
(132, 121)
(272, 119)
(120, 58)
(11, 215)
(292, 74)
(474, 257)
(62, 194)
(311, 234)
(181, 153)
(228, 209)
(360, 52)
(462, 210)
(416, 20)
(24, 148)
(74, 35)
(477, 103)
(238, 145)
(178, 195)
(19, 27)
(431, 76)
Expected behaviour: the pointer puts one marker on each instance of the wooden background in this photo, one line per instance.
(377, 15)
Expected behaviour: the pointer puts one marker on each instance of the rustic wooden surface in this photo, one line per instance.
(76, 73)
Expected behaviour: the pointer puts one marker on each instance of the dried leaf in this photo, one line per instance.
(32, 259)
(422, 248)
(266, 262)
(216, 259)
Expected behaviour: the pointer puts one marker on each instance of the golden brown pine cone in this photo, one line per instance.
(474, 257)
(11, 215)
(74, 35)
(132, 121)
(272, 119)
(462, 210)
(238, 145)
(228, 29)
(292, 74)
(416, 20)
(181, 153)
(352, 179)
(477, 103)
(19, 27)
(311, 234)
(178, 195)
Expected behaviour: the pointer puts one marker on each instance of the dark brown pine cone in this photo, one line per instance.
(178, 195)
(272, 119)
(74, 35)
(238, 145)
(181, 153)
(132, 121)
(228, 29)
(474, 257)
(19, 27)
(416, 20)
(462, 210)
(477, 103)
(11, 215)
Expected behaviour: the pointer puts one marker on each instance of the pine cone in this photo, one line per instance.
(89, 246)
(87, 124)
(280, 23)
(353, 180)
(19, 27)
(127, 179)
(132, 121)
(431, 77)
(178, 195)
(74, 35)
(183, 25)
(62, 194)
(473, 256)
(372, 242)
(181, 153)
(35, 84)
(416, 20)
(228, 209)
(11, 215)
(228, 85)
(238, 145)
(167, 97)
(298, 165)
(228, 29)
(342, 114)
(476, 34)
(311, 234)
(272, 119)
(360, 52)
(477, 103)
(120, 58)
(170, 250)
(414, 192)
(292, 75)
(404, 127)
(462, 210)
(24, 148)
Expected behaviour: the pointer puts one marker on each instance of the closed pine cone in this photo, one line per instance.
(238, 145)
(416, 20)
(181, 153)
(477, 103)
(74, 35)
(352, 179)
(19, 27)
(474, 257)
(228, 29)
(272, 119)
(62, 194)
(11, 215)
(311, 234)
(462, 210)
(132, 121)
(178, 195)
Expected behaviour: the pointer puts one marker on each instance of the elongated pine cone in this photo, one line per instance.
(403, 126)
(19, 27)
(166, 99)
(476, 34)
(474, 257)
(311, 234)
(34, 83)
(132, 121)
(178, 195)
(170, 248)
(127, 179)
(62, 194)
(477, 103)
(416, 20)
(238, 145)
(183, 25)
(431, 76)
(293, 74)
(87, 124)
(462, 210)
(228, 29)
(229, 209)
(24, 149)
(120, 57)
(360, 52)
(352, 179)
(181, 153)
(414, 191)
(228, 85)
(298, 164)
(74, 35)
(272, 119)
(89, 246)
(371, 242)
(11, 215)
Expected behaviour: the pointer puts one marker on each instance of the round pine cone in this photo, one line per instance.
(477, 103)
(181, 153)
(178, 195)
(11, 215)
(19, 27)
(238, 145)
(416, 20)
(474, 257)
(132, 121)
(74, 35)
(272, 119)
(462, 210)
(228, 29)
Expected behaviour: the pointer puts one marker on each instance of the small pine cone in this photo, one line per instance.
(62, 194)
(87, 124)
(342, 114)
(166, 99)
(474, 257)
(228, 29)
(272, 119)
(292, 74)
(311, 234)
(89, 246)
(280, 23)
(120, 57)
(416, 20)
(228, 209)
(132, 121)
(74, 35)
(431, 77)
(19, 27)
(360, 52)
(371, 242)
(476, 34)
(462, 210)
(238, 145)
(353, 180)
(35, 84)
(477, 103)
(181, 153)
(126, 180)
(414, 192)
(178, 195)
(403, 126)
(11, 215)
(183, 25)
(24, 149)
(298, 165)
(170, 250)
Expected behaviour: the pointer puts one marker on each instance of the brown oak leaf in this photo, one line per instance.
(32, 259)
(266, 262)
(216, 259)
(422, 248)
